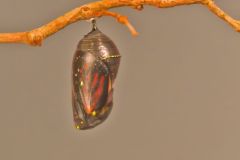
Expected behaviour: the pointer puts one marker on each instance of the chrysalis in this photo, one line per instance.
(94, 69)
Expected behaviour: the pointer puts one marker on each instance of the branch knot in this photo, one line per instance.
(35, 38)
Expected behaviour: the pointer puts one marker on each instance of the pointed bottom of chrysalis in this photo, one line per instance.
(86, 120)
(92, 121)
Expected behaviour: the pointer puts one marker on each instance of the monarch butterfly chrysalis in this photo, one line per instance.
(94, 69)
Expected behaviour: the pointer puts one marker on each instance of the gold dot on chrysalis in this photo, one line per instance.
(79, 125)
(75, 74)
(94, 113)
(81, 83)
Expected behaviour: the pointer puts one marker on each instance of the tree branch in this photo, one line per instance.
(100, 8)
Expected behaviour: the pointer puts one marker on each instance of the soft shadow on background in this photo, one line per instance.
(176, 95)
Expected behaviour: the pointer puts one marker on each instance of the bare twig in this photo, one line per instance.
(100, 8)
(121, 19)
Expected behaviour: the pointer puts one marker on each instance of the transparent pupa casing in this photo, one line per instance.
(94, 69)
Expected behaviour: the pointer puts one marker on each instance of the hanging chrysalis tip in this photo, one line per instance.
(94, 23)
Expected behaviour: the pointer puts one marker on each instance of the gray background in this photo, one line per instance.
(176, 96)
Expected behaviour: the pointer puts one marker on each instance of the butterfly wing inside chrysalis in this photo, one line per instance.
(92, 90)
(95, 66)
